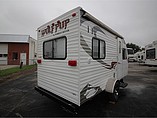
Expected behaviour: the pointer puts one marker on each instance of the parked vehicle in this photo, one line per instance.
(79, 57)
(151, 54)
(131, 56)
(140, 56)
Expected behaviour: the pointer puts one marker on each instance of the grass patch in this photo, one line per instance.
(10, 71)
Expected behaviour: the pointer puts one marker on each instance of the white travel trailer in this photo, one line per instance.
(131, 56)
(140, 56)
(78, 57)
(151, 54)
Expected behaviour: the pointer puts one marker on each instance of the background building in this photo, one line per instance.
(15, 49)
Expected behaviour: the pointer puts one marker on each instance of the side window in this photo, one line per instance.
(120, 47)
(55, 49)
(15, 56)
(102, 49)
(124, 54)
(150, 54)
(95, 48)
(98, 49)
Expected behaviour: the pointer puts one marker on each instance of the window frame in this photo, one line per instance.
(52, 49)
(95, 38)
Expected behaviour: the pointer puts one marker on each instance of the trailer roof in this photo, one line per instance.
(98, 22)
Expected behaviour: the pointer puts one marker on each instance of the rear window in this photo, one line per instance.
(55, 48)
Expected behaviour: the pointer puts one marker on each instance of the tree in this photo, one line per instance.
(135, 47)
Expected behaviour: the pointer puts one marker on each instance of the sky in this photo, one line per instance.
(135, 20)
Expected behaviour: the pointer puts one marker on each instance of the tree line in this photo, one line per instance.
(135, 47)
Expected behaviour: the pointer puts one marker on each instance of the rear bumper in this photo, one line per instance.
(70, 106)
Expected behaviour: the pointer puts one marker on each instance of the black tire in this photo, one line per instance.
(115, 95)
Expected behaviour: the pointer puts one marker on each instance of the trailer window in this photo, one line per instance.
(48, 49)
(120, 47)
(95, 48)
(150, 54)
(124, 54)
(102, 49)
(98, 49)
(130, 51)
(142, 57)
(55, 49)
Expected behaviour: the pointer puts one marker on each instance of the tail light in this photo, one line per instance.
(39, 61)
(72, 63)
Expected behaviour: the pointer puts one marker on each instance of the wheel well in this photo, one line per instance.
(111, 84)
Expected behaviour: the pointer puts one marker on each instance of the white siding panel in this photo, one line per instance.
(58, 91)
(91, 71)
(57, 76)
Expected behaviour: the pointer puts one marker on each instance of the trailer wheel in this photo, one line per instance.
(115, 95)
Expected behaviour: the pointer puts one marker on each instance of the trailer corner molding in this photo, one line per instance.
(53, 28)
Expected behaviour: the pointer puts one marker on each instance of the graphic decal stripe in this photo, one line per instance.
(85, 46)
(89, 52)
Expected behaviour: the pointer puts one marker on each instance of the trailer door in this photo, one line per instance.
(122, 65)
(124, 60)
(119, 63)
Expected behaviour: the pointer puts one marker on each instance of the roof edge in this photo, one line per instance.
(98, 22)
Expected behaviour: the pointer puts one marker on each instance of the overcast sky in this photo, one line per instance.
(135, 20)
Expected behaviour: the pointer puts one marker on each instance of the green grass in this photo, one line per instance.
(10, 71)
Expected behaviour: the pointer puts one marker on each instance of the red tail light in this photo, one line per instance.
(39, 61)
(72, 63)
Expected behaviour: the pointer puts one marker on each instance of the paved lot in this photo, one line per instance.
(18, 98)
